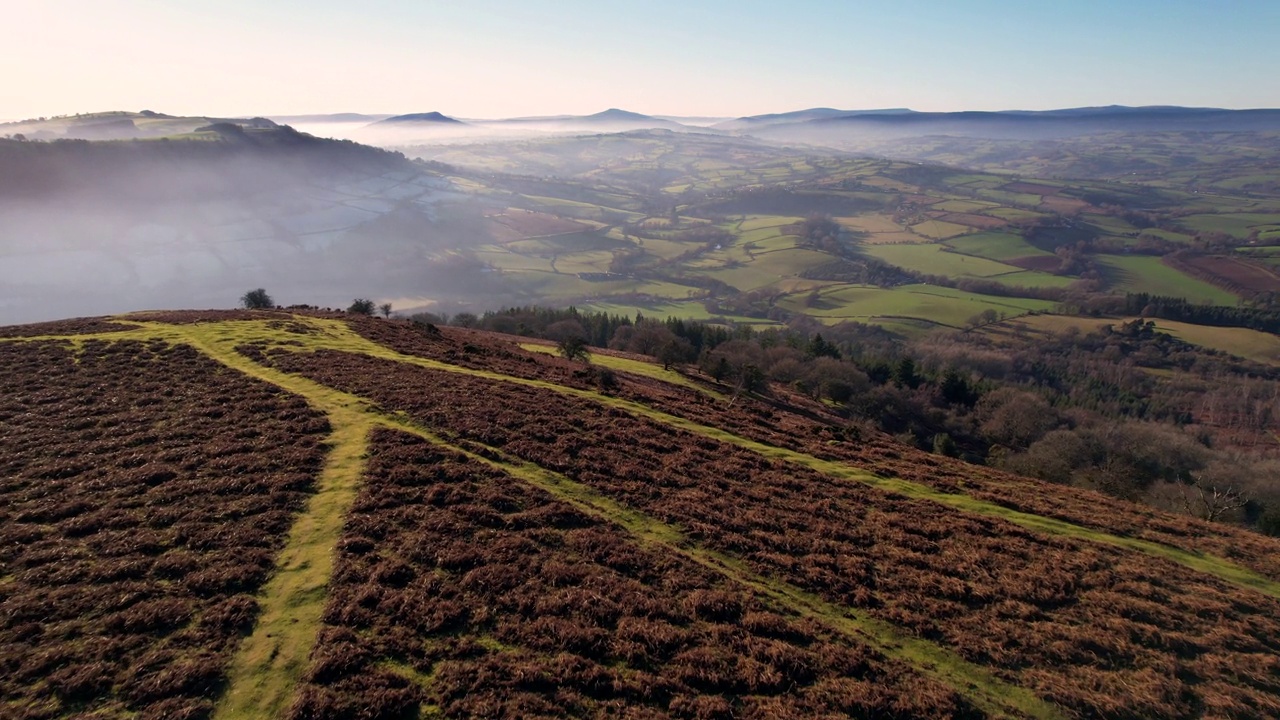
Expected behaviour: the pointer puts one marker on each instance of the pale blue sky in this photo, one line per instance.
(496, 58)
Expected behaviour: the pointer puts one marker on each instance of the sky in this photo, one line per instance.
(728, 58)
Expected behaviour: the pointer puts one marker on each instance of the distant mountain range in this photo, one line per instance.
(756, 121)
(829, 127)
(826, 127)
(832, 127)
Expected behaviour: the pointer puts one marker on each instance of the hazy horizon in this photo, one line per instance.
(499, 59)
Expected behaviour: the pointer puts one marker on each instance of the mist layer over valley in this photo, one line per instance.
(192, 220)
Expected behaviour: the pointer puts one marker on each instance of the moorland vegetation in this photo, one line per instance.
(466, 527)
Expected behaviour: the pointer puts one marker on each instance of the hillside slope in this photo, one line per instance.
(495, 532)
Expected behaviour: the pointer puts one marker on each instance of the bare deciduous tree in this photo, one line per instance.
(1210, 502)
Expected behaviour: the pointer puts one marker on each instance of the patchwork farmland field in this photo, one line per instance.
(996, 246)
(940, 305)
(937, 260)
(733, 215)
(1137, 273)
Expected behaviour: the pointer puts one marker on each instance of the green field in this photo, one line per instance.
(687, 309)
(767, 268)
(1251, 344)
(1237, 225)
(584, 262)
(1145, 273)
(1010, 198)
(938, 229)
(1033, 279)
(964, 206)
(1267, 255)
(1110, 225)
(938, 260)
(759, 222)
(772, 243)
(943, 306)
(1008, 213)
(664, 249)
(995, 246)
(1165, 235)
(506, 260)
(963, 179)
(760, 234)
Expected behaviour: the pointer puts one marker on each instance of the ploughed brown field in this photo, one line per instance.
(1231, 273)
(525, 541)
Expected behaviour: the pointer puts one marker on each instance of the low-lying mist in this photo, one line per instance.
(99, 228)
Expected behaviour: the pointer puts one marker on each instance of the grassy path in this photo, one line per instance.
(636, 367)
(270, 662)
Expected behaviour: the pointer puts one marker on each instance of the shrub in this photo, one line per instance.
(362, 306)
(257, 300)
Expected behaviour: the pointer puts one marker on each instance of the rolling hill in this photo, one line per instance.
(120, 125)
(311, 515)
(427, 117)
(613, 120)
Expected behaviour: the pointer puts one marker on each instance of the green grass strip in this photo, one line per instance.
(270, 662)
(989, 693)
(635, 367)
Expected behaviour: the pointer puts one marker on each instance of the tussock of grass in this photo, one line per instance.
(422, 680)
